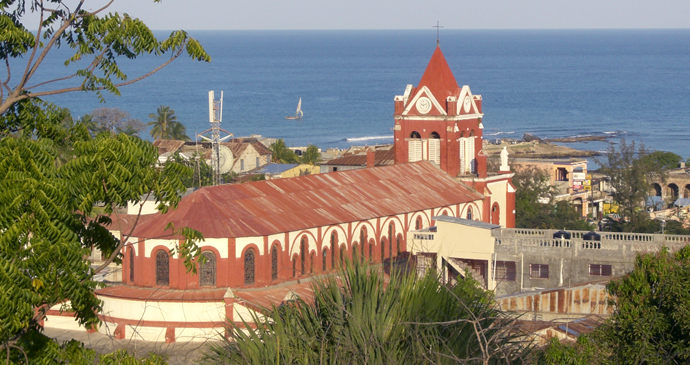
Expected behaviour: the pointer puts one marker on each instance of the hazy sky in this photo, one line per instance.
(408, 14)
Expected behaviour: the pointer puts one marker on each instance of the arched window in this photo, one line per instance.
(371, 250)
(398, 244)
(354, 252)
(495, 214)
(131, 264)
(312, 258)
(334, 237)
(418, 223)
(325, 259)
(469, 213)
(342, 255)
(294, 266)
(414, 147)
(207, 271)
(362, 241)
(274, 262)
(249, 267)
(391, 233)
(303, 254)
(162, 268)
(383, 249)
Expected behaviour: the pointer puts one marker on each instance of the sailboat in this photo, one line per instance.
(298, 114)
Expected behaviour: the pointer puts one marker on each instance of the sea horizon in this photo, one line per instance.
(551, 83)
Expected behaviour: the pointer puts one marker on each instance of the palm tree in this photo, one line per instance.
(163, 123)
(179, 132)
(362, 319)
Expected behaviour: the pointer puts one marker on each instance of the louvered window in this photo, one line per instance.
(415, 150)
(467, 157)
(162, 268)
(435, 151)
(207, 271)
(249, 267)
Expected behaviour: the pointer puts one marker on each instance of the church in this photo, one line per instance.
(265, 240)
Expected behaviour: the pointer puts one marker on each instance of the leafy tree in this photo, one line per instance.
(360, 319)
(97, 40)
(631, 173)
(311, 155)
(114, 120)
(165, 125)
(650, 322)
(583, 352)
(202, 172)
(48, 224)
(534, 205)
(282, 154)
(663, 160)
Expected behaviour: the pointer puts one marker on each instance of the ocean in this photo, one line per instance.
(551, 83)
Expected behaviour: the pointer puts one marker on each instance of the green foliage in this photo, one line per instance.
(534, 206)
(311, 155)
(359, 319)
(97, 41)
(650, 323)
(48, 224)
(631, 173)
(663, 160)
(258, 177)
(282, 154)
(202, 172)
(583, 352)
(165, 125)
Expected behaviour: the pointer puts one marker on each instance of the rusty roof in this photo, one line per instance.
(167, 145)
(267, 207)
(381, 158)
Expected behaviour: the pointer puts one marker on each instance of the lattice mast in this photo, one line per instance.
(215, 116)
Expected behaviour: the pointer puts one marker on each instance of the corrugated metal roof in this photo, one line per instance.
(381, 158)
(167, 145)
(268, 207)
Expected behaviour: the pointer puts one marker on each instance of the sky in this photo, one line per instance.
(405, 14)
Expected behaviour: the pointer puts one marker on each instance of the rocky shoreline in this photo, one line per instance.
(531, 146)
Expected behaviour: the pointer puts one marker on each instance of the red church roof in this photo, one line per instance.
(275, 206)
(438, 77)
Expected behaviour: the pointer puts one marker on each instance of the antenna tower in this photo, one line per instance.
(215, 116)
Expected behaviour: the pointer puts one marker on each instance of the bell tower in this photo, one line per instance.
(440, 122)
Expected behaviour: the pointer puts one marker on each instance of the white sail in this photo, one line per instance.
(299, 108)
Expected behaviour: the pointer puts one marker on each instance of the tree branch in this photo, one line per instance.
(66, 24)
(79, 88)
(97, 11)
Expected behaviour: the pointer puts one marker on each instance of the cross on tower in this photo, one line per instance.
(438, 27)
